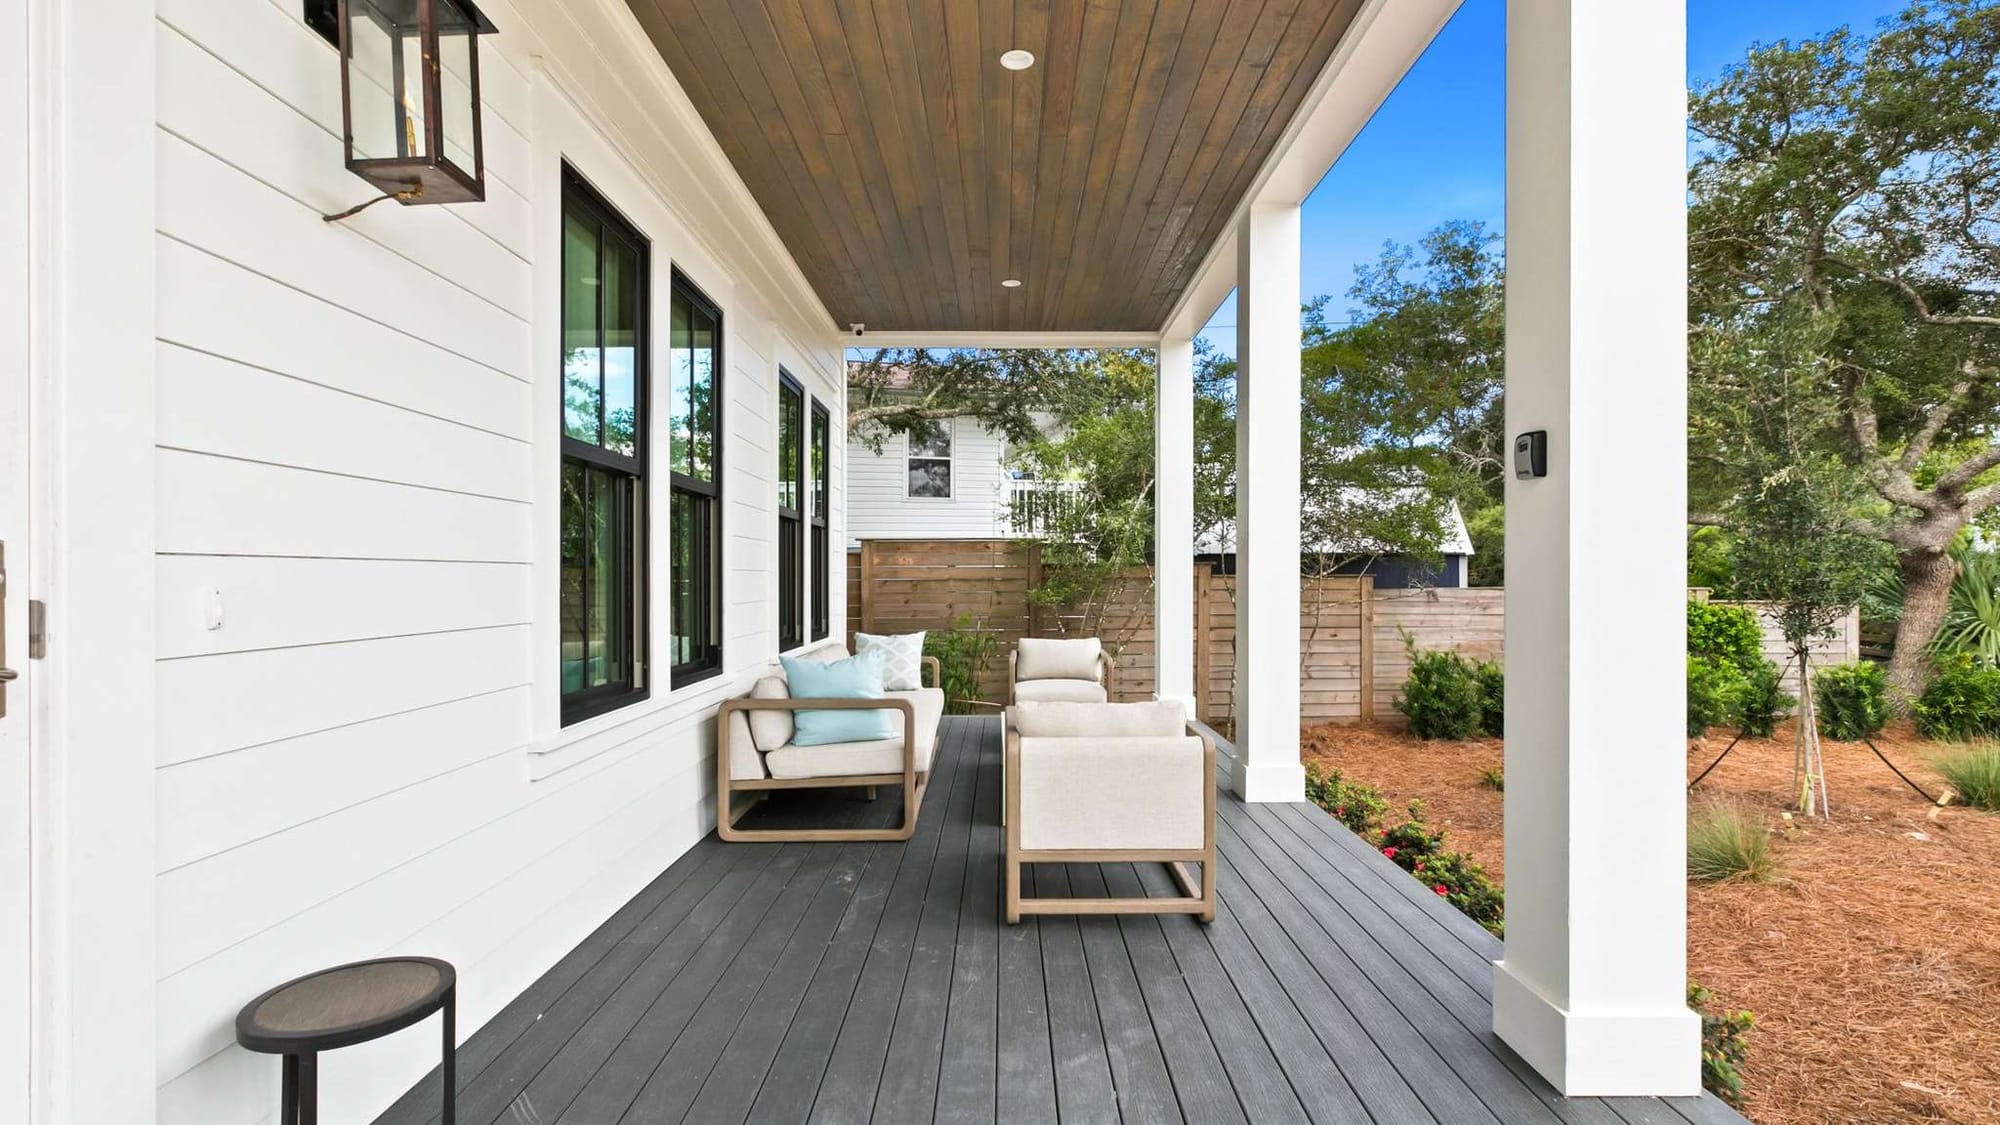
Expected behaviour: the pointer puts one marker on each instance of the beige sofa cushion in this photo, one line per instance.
(1113, 793)
(770, 729)
(1162, 718)
(1048, 658)
(1065, 691)
(745, 763)
(884, 755)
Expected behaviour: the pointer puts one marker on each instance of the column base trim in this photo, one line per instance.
(1651, 1053)
(1272, 784)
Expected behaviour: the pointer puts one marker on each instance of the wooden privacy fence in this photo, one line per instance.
(1353, 659)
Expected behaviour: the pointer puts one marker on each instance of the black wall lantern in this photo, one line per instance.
(409, 91)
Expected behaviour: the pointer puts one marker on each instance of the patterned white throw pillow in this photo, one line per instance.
(902, 658)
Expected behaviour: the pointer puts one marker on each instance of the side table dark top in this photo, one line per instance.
(344, 1005)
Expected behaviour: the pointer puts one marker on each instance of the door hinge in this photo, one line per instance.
(38, 629)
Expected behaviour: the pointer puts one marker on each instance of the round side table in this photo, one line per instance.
(340, 1007)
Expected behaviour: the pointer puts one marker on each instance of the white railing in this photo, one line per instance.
(1031, 508)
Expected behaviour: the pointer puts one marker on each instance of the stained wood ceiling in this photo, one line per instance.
(909, 172)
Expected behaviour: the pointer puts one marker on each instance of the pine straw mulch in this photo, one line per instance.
(1873, 964)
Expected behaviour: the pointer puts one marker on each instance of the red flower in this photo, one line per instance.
(1440, 889)
(1340, 812)
(1390, 852)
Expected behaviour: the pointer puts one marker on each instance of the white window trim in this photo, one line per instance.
(951, 460)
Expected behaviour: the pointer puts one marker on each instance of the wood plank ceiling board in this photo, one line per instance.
(909, 173)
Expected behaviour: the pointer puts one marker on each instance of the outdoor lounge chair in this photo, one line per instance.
(1047, 670)
(1109, 783)
(754, 754)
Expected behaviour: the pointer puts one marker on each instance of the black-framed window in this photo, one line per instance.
(695, 466)
(822, 544)
(929, 460)
(604, 387)
(791, 504)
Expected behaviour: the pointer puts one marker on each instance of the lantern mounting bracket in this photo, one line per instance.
(408, 195)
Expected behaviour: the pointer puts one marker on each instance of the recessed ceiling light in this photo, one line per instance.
(1017, 59)
(1012, 283)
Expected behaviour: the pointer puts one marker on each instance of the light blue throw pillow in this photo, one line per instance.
(857, 677)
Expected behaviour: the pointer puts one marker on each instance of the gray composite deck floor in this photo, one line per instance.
(876, 982)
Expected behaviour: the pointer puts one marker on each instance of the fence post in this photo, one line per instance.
(1365, 590)
(1204, 652)
(867, 585)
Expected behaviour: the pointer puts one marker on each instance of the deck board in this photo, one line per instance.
(854, 982)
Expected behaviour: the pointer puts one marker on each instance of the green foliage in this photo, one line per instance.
(903, 390)
(1711, 694)
(964, 654)
(1725, 1045)
(1487, 528)
(1360, 807)
(1761, 700)
(1419, 849)
(1962, 701)
(1710, 565)
(1492, 698)
(1972, 624)
(1851, 701)
(1443, 697)
(1726, 841)
(1724, 634)
(1974, 774)
(1494, 778)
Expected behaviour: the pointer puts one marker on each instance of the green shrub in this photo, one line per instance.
(1711, 694)
(1961, 702)
(1358, 806)
(1727, 634)
(1851, 700)
(1442, 697)
(1494, 778)
(1492, 698)
(1725, 1044)
(1727, 841)
(1974, 774)
(963, 652)
(1761, 700)
(1418, 849)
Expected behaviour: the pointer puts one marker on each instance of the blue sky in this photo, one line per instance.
(1434, 150)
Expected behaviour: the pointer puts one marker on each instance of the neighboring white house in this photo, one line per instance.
(954, 483)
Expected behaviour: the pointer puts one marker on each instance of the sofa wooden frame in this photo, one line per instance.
(912, 780)
(1197, 897)
(1106, 669)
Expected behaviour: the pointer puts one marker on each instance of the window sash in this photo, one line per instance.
(695, 487)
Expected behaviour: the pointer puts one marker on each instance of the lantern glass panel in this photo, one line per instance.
(385, 81)
(456, 96)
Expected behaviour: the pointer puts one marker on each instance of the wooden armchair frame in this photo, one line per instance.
(912, 780)
(1197, 898)
(1106, 669)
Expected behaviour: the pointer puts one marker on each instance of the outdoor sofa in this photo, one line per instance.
(755, 755)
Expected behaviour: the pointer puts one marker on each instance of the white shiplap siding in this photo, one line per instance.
(878, 487)
(358, 761)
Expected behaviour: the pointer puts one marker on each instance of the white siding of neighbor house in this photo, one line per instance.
(357, 456)
(880, 506)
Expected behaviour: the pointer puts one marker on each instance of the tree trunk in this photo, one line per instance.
(1927, 577)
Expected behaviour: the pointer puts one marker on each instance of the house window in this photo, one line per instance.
(930, 460)
(694, 511)
(822, 545)
(791, 498)
(604, 374)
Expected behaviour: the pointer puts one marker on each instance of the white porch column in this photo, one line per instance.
(1173, 523)
(1590, 990)
(1267, 505)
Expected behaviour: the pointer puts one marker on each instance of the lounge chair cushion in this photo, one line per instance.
(1159, 719)
(884, 755)
(1068, 691)
(858, 677)
(1112, 793)
(902, 658)
(745, 763)
(770, 729)
(1047, 658)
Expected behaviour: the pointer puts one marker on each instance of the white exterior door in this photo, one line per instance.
(16, 777)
